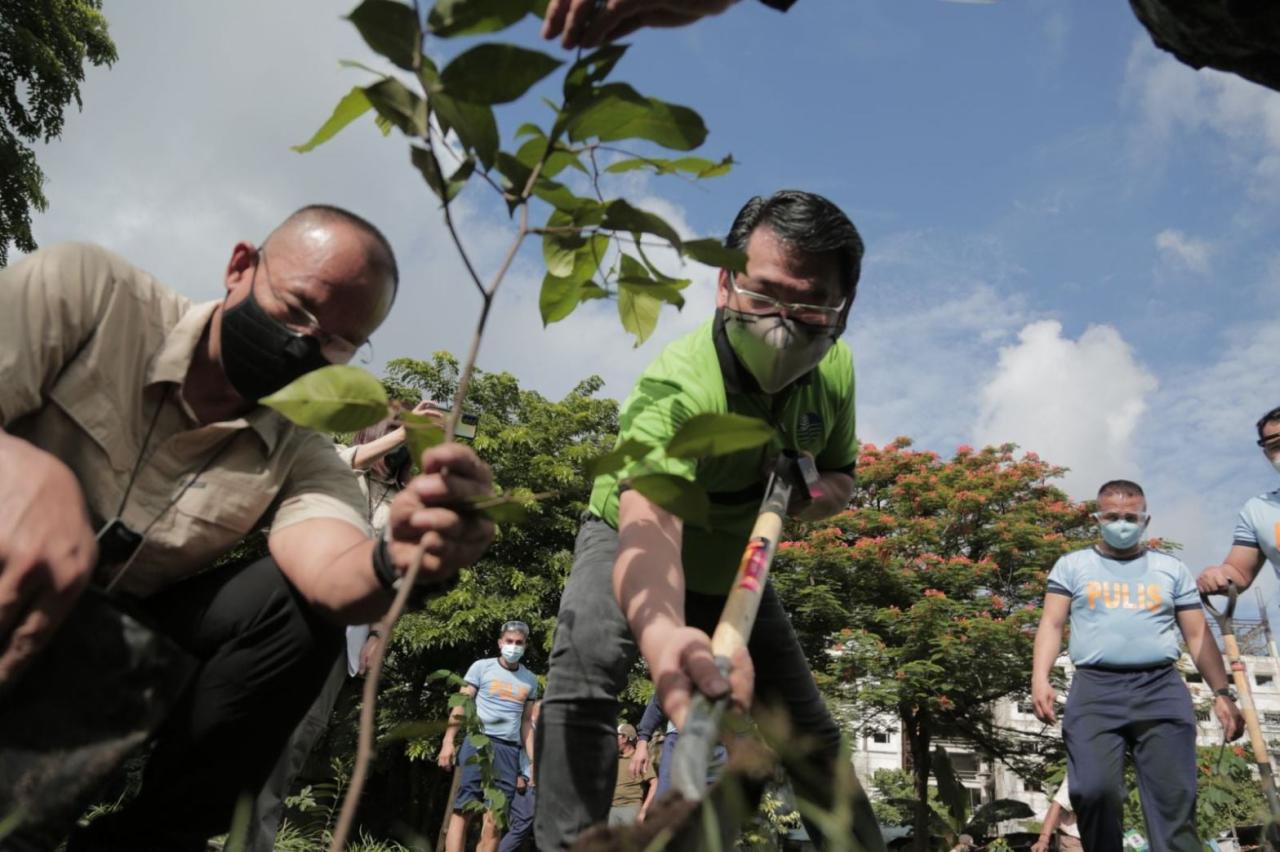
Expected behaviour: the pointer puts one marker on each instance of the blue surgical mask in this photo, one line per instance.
(511, 652)
(1122, 535)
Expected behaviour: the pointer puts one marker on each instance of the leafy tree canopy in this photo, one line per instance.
(44, 45)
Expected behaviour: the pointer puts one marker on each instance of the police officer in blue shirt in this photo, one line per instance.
(505, 692)
(1127, 605)
(1257, 534)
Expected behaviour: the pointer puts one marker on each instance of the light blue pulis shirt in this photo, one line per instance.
(1259, 526)
(501, 695)
(1122, 610)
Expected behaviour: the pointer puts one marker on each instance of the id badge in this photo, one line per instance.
(117, 543)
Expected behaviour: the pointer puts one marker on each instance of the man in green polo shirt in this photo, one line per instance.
(642, 581)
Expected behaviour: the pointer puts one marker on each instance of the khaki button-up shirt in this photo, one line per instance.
(93, 351)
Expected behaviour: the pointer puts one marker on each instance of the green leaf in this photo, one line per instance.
(458, 699)
(472, 17)
(353, 105)
(475, 125)
(444, 188)
(677, 495)
(636, 278)
(398, 105)
(337, 398)
(591, 69)
(421, 433)
(558, 298)
(617, 112)
(617, 458)
(621, 216)
(561, 293)
(495, 73)
(530, 130)
(698, 167)
(717, 435)
(716, 254)
(559, 250)
(560, 158)
(390, 28)
(648, 287)
(505, 510)
(478, 740)
(639, 312)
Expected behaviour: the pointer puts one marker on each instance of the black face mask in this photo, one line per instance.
(260, 355)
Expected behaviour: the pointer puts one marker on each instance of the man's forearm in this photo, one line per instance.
(1048, 644)
(345, 589)
(648, 579)
(452, 726)
(1206, 656)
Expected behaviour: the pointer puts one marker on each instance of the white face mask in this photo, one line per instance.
(776, 350)
(511, 652)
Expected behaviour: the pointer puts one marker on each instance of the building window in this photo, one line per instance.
(1026, 708)
(1195, 677)
(1271, 718)
(880, 737)
(1202, 715)
(1263, 680)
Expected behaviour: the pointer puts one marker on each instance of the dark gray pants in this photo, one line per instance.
(1148, 713)
(577, 754)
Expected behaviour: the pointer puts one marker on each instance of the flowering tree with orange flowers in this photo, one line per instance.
(931, 585)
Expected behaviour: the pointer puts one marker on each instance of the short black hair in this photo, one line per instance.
(384, 259)
(808, 222)
(1123, 487)
(1270, 417)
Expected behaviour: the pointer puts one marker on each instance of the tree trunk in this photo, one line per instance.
(915, 724)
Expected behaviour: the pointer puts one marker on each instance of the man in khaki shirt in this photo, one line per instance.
(129, 412)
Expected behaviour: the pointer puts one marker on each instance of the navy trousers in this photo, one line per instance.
(1149, 714)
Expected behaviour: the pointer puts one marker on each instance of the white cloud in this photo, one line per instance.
(1078, 403)
(1173, 97)
(1183, 251)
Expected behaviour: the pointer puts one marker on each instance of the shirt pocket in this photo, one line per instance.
(79, 393)
(220, 501)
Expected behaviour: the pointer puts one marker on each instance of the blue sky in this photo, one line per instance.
(1071, 237)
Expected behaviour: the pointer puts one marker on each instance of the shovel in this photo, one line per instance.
(1239, 677)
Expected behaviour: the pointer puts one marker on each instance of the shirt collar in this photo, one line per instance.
(173, 360)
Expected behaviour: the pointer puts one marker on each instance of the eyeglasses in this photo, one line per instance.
(1270, 443)
(759, 303)
(1112, 517)
(335, 348)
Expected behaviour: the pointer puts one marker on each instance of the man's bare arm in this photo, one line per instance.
(1240, 567)
(1047, 646)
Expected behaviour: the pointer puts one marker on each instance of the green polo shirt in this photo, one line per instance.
(699, 374)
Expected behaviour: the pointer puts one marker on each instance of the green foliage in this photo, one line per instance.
(337, 398)
(45, 45)
(718, 435)
(585, 239)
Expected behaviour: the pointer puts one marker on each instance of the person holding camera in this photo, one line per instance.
(135, 453)
(383, 466)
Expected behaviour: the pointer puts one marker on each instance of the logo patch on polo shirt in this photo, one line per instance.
(809, 429)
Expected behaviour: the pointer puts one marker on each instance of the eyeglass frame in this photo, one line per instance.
(1131, 517)
(789, 307)
(309, 325)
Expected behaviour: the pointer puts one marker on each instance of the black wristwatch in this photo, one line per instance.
(1226, 692)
